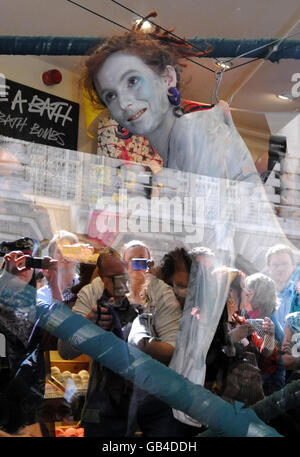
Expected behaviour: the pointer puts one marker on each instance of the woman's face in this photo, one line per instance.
(247, 295)
(63, 262)
(135, 95)
(135, 252)
(236, 303)
(180, 280)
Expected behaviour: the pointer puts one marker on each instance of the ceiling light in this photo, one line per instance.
(223, 64)
(286, 97)
(146, 26)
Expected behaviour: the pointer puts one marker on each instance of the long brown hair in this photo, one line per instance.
(156, 48)
(231, 278)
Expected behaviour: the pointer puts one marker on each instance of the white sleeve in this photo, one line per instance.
(208, 143)
(140, 329)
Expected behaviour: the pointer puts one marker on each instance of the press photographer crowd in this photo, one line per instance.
(252, 356)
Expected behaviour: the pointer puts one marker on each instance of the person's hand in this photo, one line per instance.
(241, 332)
(49, 263)
(50, 270)
(268, 326)
(106, 319)
(15, 262)
(51, 274)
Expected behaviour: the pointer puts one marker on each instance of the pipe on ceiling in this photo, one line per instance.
(80, 46)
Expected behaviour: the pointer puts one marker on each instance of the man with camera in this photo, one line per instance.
(22, 366)
(153, 332)
(64, 277)
(104, 302)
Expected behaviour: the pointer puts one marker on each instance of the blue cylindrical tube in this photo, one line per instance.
(223, 418)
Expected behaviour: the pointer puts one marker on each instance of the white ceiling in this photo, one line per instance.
(254, 93)
(219, 18)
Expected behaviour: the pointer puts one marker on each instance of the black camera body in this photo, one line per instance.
(125, 312)
(35, 262)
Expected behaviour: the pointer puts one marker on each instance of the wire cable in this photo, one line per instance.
(99, 15)
(262, 47)
(258, 58)
(196, 47)
(218, 75)
(128, 30)
(157, 25)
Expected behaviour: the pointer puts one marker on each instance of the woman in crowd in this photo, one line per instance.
(212, 341)
(154, 332)
(290, 345)
(175, 267)
(174, 270)
(251, 339)
(231, 344)
(262, 297)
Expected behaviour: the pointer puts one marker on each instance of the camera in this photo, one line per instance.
(140, 263)
(120, 289)
(35, 262)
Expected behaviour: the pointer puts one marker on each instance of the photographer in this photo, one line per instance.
(162, 311)
(64, 277)
(154, 332)
(104, 302)
(22, 371)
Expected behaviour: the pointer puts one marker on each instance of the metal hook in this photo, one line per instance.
(215, 93)
(230, 100)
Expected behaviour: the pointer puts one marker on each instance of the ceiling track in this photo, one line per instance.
(80, 46)
(281, 36)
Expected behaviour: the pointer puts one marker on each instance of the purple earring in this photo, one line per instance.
(174, 96)
(123, 133)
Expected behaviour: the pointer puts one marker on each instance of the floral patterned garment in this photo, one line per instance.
(136, 148)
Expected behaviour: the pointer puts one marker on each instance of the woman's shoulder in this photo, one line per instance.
(199, 127)
(156, 284)
(201, 116)
(161, 294)
(193, 118)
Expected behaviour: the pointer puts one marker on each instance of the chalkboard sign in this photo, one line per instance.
(33, 115)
